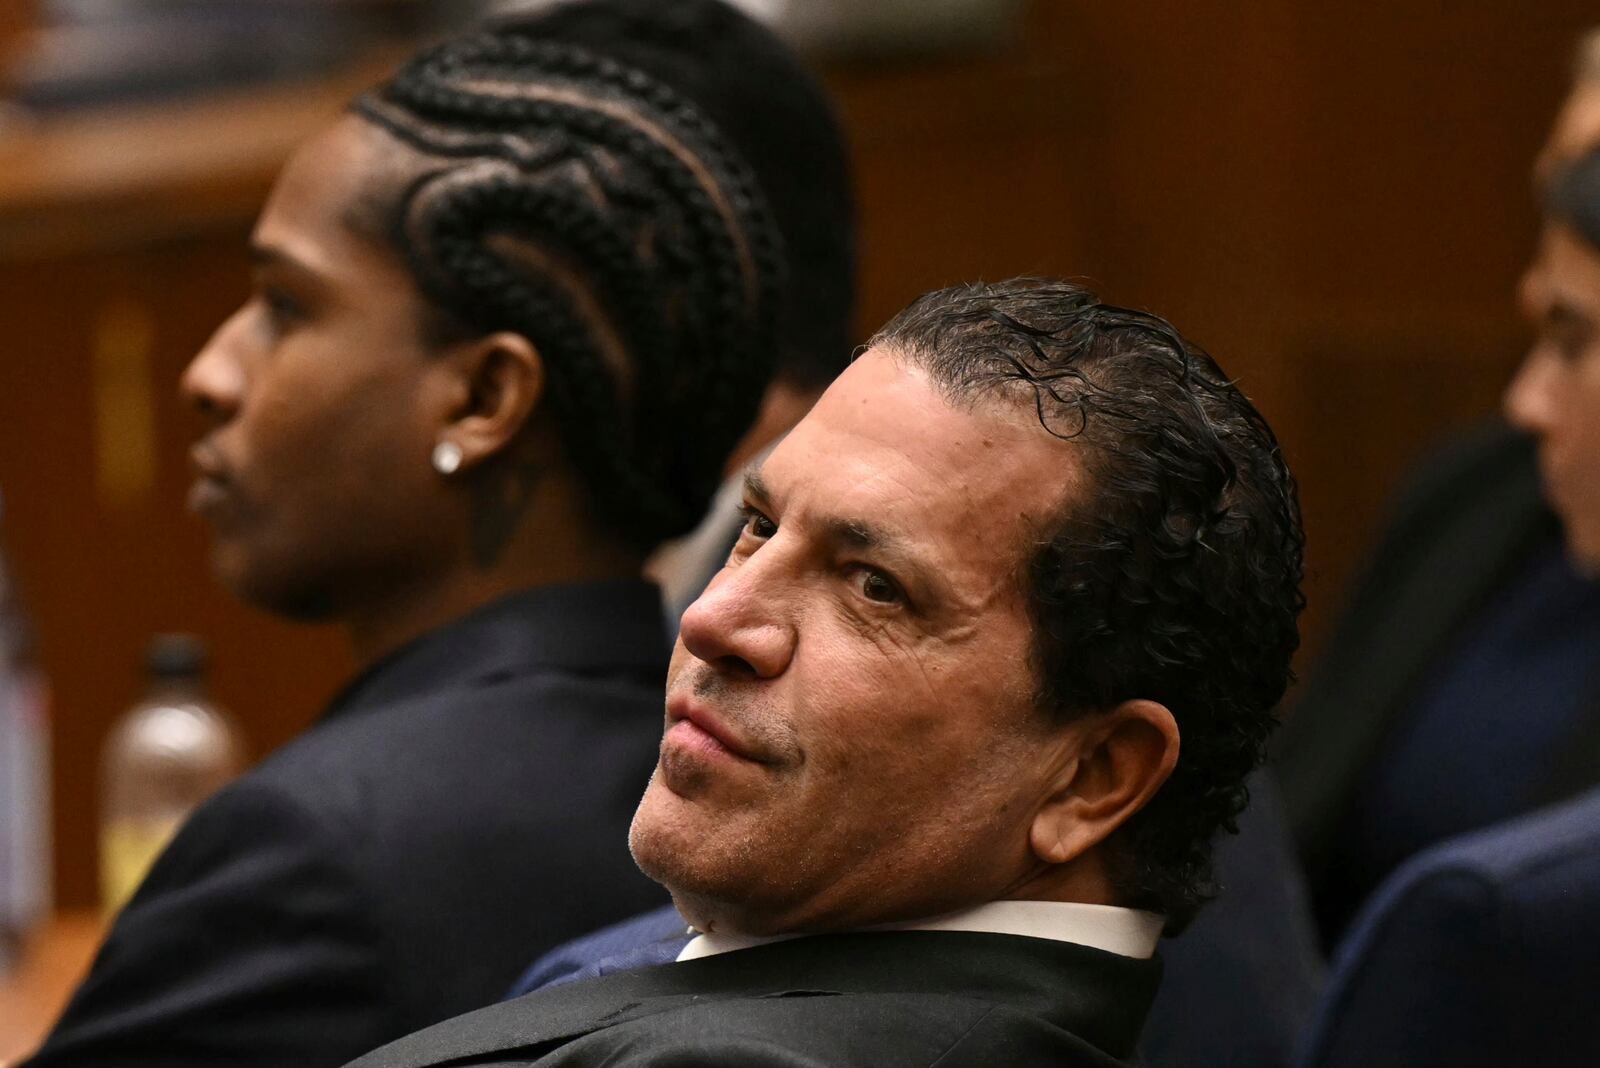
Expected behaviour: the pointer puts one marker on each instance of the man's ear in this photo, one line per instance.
(499, 381)
(1119, 761)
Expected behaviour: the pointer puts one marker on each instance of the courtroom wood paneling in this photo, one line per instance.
(15, 17)
(1321, 194)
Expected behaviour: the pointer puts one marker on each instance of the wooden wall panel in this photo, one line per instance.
(1320, 194)
(16, 16)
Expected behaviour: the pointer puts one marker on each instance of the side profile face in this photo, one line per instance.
(323, 400)
(1575, 130)
(852, 734)
(1556, 393)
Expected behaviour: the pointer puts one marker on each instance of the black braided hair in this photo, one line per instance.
(583, 204)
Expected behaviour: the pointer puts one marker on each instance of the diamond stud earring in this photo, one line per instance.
(446, 457)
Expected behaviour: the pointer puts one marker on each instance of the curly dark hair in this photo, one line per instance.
(585, 204)
(1176, 578)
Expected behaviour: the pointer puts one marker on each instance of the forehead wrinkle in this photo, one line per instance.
(859, 534)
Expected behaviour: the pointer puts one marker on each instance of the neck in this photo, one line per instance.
(1085, 881)
(552, 547)
(380, 629)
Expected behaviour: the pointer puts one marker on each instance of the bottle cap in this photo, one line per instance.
(175, 656)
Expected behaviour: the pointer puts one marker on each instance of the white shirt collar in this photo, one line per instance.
(1127, 932)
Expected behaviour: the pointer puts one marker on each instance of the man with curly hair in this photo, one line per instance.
(948, 739)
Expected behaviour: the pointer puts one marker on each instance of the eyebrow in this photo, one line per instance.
(852, 533)
(756, 486)
(266, 255)
(263, 256)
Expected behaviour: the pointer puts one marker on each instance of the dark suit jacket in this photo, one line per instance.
(1484, 950)
(1467, 522)
(881, 999)
(463, 803)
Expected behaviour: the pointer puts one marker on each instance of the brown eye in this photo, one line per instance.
(876, 587)
(758, 525)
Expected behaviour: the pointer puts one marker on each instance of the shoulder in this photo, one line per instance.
(1467, 466)
(1527, 863)
(1473, 940)
(800, 1029)
(464, 746)
(253, 813)
(253, 850)
(249, 935)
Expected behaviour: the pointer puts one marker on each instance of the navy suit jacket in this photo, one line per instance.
(1484, 950)
(465, 800)
(1459, 534)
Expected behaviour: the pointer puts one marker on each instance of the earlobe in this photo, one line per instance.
(504, 383)
(1117, 762)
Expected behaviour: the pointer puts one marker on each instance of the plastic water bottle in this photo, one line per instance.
(165, 755)
(25, 852)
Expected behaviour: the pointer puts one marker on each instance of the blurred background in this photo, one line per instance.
(1334, 199)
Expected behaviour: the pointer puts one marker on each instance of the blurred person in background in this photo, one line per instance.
(511, 315)
(1484, 948)
(90, 53)
(1462, 685)
(1555, 397)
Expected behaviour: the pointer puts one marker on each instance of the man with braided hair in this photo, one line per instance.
(510, 316)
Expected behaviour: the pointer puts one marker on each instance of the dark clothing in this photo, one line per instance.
(464, 802)
(1482, 951)
(1460, 687)
(642, 941)
(1241, 982)
(1502, 701)
(886, 999)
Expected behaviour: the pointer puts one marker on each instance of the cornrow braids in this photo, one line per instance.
(588, 207)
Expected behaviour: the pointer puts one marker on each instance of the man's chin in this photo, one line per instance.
(672, 841)
(297, 601)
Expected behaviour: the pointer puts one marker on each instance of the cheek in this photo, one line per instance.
(896, 716)
(346, 433)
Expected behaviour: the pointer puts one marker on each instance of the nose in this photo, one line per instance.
(214, 382)
(1530, 400)
(740, 625)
